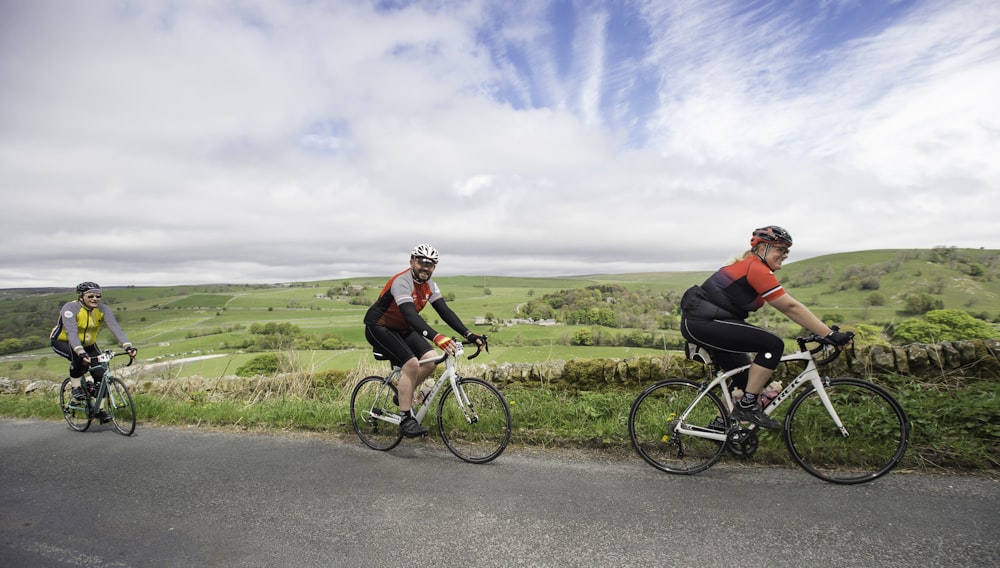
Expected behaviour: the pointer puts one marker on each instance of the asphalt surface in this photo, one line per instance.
(188, 497)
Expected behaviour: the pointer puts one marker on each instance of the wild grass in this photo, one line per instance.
(955, 423)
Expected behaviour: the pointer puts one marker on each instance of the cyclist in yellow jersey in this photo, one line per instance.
(75, 334)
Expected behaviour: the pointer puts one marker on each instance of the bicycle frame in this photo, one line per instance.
(809, 375)
(103, 361)
(111, 396)
(449, 376)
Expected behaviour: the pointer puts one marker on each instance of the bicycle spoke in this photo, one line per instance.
(877, 428)
(372, 411)
(75, 411)
(119, 405)
(653, 420)
(480, 432)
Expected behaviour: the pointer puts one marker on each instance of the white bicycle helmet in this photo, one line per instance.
(425, 251)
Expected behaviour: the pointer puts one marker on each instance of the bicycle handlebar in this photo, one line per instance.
(479, 348)
(823, 344)
(108, 355)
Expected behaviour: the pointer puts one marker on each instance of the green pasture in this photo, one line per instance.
(180, 322)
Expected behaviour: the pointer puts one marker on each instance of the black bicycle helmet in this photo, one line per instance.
(83, 287)
(771, 234)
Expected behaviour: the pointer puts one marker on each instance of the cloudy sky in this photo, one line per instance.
(161, 142)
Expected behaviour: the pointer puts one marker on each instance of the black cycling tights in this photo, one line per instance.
(730, 342)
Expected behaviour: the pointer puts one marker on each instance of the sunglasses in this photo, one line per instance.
(425, 262)
(92, 296)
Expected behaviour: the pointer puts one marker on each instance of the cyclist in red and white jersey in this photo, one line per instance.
(395, 329)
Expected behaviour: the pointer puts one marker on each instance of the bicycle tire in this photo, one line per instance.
(74, 411)
(120, 407)
(373, 397)
(484, 438)
(653, 417)
(879, 432)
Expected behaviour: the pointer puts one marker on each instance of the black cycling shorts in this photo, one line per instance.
(397, 347)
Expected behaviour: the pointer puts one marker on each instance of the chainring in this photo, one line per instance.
(742, 442)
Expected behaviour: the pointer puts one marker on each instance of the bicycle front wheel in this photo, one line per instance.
(654, 418)
(74, 411)
(479, 432)
(876, 435)
(119, 405)
(372, 407)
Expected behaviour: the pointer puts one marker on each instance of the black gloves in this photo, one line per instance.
(839, 338)
(475, 338)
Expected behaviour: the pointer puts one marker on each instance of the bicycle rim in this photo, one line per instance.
(74, 411)
(878, 429)
(372, 399)
(653, 417)
(486, 436)
(119, 405)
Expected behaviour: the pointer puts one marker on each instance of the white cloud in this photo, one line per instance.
(185, 142)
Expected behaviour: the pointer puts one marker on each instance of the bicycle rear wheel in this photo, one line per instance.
(654, 417)
(480, 433)
(74, 411)
(878, 432)
(371, 405)
(119, 405)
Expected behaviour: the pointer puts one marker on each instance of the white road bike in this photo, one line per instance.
(473, 418)
(842, 430)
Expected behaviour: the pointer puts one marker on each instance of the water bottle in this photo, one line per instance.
(423, 391)
(769, 393)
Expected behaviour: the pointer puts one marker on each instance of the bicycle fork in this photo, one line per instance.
(463, 401)
(818, 384)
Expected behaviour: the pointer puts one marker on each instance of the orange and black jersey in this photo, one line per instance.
(743, 286)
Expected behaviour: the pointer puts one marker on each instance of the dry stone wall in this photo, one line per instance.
(969, 359)
(977, 359)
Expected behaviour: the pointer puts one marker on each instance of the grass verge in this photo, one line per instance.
(956, 427)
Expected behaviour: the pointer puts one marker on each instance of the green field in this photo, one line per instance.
(181, 322)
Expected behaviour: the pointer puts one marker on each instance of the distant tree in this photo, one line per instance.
(266, 364)
(869, 334)
(943, 325)
(870, 283)
(583, 337)
(875, 299)
(921, 303)
(11, 346)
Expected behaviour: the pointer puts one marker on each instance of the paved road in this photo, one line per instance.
(185, 497)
